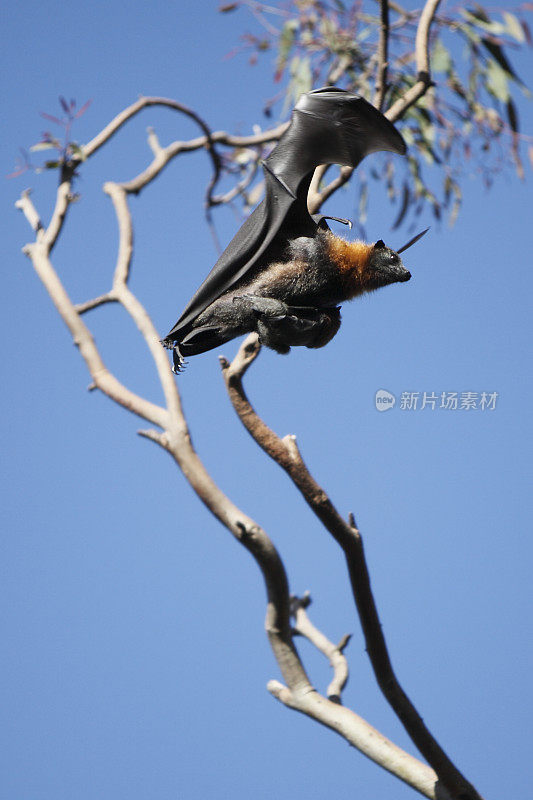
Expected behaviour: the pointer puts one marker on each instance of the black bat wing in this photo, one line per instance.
(328, 126)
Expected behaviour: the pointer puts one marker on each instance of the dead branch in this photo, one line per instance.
(286, 453)
(398, 109)
(333, 652)
(174, 437)
(408, 99)
(383, 55)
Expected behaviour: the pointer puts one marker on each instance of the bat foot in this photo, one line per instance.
(178, 362)
(281, 327)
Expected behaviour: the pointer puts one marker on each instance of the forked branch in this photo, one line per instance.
(174, 437)
(408, 99)
(171, 432)
(286, 453)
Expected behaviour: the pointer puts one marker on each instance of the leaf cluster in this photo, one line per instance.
(466, 124)
(68, 153)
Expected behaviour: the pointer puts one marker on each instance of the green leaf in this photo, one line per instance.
(441, 61)
(363, 203)
(457, 203)
(53, 164)
(77, 151)
(286, 41)
(497, 83)
(499, 56)
(496, 28)
(42, 146)
(514, 27)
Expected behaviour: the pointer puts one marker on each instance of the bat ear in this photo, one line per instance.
(412, 241)
(380, 244)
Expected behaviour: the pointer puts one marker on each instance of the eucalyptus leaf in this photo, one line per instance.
(42, 146)
(514, 27)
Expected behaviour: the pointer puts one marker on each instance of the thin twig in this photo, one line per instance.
(398, 109)
(175, 438)
(286, 453)
(25, 205)
(304, 627)
(88, 305)
(423, 83)
(383, 55)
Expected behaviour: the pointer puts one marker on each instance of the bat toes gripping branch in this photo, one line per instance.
(178, 362)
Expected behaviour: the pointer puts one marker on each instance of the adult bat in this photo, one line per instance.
(284, 274)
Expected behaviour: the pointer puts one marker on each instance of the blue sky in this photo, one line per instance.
(134, 660)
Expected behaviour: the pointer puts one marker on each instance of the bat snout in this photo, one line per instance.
(403, 275)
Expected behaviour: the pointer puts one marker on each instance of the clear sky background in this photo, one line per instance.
(134, 661)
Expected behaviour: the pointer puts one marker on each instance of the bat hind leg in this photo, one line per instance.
(281, 326)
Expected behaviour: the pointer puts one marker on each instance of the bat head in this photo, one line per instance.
(384, 266)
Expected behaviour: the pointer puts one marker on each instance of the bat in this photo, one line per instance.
(285, 274)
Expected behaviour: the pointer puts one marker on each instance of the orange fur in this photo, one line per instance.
(352, 259)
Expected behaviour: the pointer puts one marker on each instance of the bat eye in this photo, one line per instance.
(392, 258)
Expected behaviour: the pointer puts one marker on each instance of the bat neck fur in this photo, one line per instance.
(351, 259)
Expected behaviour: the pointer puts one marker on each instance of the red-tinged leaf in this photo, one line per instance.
(19, 171)
(530, 154)
(50, 118)
(228, 7)
(64, 105)
(83, 109)
(527, 32)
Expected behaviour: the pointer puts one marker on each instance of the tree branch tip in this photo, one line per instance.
(153, 435)
(292, 448)
(289, 437)
(352, 523)
(280, 692)
(242, 529)
(344, 642)
(224, 363)
(92, 386)
(300, 602)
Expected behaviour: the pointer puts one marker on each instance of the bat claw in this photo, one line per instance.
(178, 362)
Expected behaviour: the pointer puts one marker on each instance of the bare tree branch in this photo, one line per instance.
(286, 453)
(397, 110)
(383, 55)
(101, 300)
(423, 83)
(25, 205)
(174, 437)
(333, 652)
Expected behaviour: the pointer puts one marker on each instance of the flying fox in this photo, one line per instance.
(285, 274)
